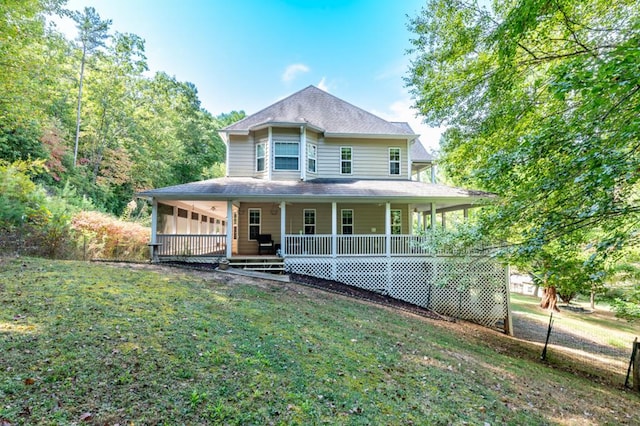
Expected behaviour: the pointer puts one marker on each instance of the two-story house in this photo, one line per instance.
(320, 185)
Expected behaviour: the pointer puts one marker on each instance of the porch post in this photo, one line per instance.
(465, 212)
(387, 229)
(387, 240)
(154, 230)
(433, 216)
(334, 240)
(444, 220)
(174, 219)
(229, 247)
(154, 221)
(283, 227)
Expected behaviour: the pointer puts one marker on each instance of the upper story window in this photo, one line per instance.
(286, 155)
(260, 157)
(346, 155)
(394, 161)
(312, 156)
(396, 222)
(254, 223)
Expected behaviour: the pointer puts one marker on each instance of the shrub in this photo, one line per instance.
(99, 235)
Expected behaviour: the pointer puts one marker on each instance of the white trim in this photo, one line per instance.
(270, 142)
(304, 221)
(315, 158)
(249, 224)
(399, 161)
(229, 248)
(350, 148)
(302, 153)
(264, 157)
(276, 142)
(342, 225)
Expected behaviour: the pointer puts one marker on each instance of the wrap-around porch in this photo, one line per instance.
(197, 229)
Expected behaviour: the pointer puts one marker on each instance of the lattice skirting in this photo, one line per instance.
(470, 288)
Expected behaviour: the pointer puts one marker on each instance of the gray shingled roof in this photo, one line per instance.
(322, 110)
(318, 190)
(418, 152)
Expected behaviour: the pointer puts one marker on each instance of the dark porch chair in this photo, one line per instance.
(265, 243)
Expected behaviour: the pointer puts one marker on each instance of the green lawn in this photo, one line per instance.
(99, 344)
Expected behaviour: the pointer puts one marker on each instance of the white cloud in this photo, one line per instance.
(322, 84)
(293, 70)
(401, 110)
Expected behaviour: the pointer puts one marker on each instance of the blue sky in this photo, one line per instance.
(247, 54)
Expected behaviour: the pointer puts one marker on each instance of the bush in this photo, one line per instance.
(99, 235)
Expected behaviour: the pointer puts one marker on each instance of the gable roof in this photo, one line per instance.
(324, 112)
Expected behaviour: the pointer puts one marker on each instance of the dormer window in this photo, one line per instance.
(286, 155)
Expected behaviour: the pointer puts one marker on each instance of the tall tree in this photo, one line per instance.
(92, 33)
(541, 102)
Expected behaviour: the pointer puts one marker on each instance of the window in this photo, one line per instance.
(260, 157)
(347, 221)
(312, 154)
(286, 156)
(394, 161)
(309, 221)
(396, 222)
(254, 223)
(345, 160)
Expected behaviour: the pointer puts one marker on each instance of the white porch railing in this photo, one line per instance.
(191, 244)
(363, 245)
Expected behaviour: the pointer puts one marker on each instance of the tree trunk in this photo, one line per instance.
(550, 299)
(593, 300)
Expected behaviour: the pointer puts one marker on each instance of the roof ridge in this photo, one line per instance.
(271, 105)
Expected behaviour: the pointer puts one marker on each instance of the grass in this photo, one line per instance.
(601, 325)
(98, 344)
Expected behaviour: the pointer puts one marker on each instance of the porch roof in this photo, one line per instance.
(354, 190)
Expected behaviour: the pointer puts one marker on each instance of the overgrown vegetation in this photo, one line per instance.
(540, 101)
(60, 225)
(120, 345)
(133, 131)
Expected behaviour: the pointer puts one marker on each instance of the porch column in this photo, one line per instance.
(433, 173)
(229, 248)
(153, 246)
(387, 228)
(444, 220)
(465, 212)
(334, 239)
(433, 216)
(283, 227)
(174, 220)
(154, 221)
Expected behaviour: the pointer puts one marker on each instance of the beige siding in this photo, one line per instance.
(312, 138)
(270, 224)
(262, 136)
(370, 158)
(366, 217)
(241, 156)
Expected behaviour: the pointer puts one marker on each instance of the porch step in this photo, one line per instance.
(271, 265)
